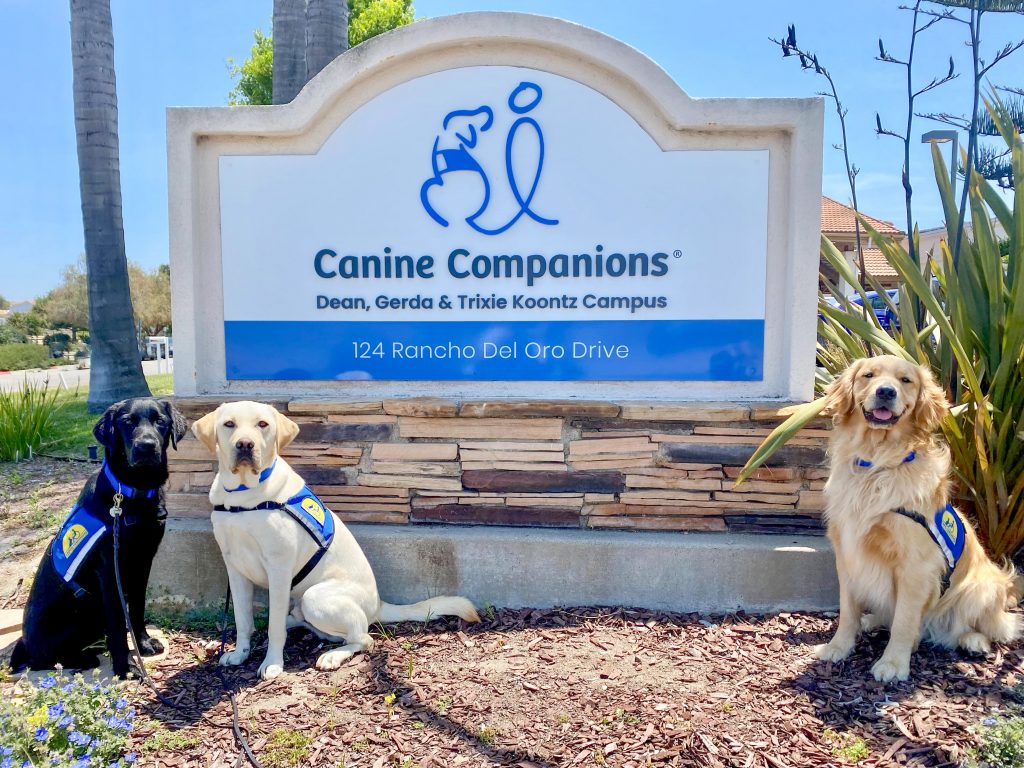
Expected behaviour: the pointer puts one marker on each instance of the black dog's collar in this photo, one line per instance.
(129, 492)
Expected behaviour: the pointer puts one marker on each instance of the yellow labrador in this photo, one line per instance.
(273, 532)
(902, 552)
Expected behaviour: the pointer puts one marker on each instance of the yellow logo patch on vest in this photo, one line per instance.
(75, 535)
(949, 524)
(313, 509)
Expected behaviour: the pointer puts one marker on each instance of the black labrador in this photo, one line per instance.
(74, 602)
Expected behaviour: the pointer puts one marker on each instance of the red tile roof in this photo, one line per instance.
(838, 218)
(876, 264)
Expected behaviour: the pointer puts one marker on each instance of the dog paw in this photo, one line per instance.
(886, 670)
(974, 642)
(333, 659)
(234, 658)
(150, 646)
(270, 670)
(832, 651)
(870, 621)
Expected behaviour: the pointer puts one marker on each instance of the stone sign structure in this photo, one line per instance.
(504, 272)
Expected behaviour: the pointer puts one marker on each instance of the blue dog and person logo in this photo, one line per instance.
(453, 153)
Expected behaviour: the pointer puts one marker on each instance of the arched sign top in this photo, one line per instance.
(496, 203)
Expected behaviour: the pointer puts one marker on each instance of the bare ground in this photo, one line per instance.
(35, 496)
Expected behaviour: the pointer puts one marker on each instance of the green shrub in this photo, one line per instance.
(65, 722)
(17, 357)
(11, 335)
(1002, 744)
(29, 420)
(970, 332)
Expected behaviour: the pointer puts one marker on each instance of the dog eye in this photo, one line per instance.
(905, 379)
(869, 375)
(263, 425)
(229, 424)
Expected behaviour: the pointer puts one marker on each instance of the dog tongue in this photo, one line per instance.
(882, 414)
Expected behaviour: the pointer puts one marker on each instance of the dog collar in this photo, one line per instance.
(947, 530)
(263, 476)
(126, 490)
(868, 464)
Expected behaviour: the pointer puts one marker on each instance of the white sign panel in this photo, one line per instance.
(494, 223)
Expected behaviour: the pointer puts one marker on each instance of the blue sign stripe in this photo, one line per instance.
(590, 350)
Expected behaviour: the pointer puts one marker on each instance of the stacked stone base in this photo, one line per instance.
(564, 464)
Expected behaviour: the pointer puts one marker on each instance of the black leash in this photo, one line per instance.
(115, 512)
(229, 689)
(240, 739)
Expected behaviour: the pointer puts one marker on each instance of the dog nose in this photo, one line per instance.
(886, 393)
(245, 445)
(146, 444)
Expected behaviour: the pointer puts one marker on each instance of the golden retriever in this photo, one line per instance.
(263, 514)
(885, 457)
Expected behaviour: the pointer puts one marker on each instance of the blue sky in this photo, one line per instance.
(174, 53)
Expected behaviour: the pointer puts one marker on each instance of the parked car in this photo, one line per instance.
(886, 317)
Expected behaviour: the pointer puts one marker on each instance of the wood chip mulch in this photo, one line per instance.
(582, 687)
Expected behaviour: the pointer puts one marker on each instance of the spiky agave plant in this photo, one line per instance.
(971, 334)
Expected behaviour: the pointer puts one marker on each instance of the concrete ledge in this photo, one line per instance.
(517, 567)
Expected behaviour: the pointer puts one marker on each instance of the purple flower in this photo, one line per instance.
(56, 710)
(121, 703)
(7, 763)
(6, 751)
(989, 721)
(65, 721)
(42, 734)
(68, 688)
(47, 682)
(130, 757)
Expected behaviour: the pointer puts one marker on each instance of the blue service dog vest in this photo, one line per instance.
(78, 536)
(947, 530)
(311, 514)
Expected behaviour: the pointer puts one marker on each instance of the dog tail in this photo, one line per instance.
(425, 610)
(19, 656)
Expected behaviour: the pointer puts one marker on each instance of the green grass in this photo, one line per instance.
(286, 748)
(203, 618)
(846, 746)
(172, 741)
(74, 423)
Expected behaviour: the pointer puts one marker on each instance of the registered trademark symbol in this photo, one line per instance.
(677, 253)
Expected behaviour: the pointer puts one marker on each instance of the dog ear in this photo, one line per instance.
(931, 406)
(840, 393)
(205, 430)
(104, 430)
(179, 424)
(287, 430)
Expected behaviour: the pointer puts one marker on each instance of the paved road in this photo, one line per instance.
(69, 376)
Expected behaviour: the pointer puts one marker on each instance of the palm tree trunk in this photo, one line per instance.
(116, 367)
(326, 33)
(289, 49)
